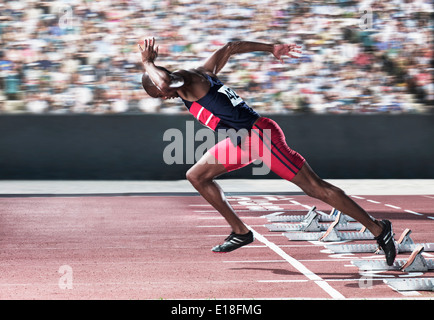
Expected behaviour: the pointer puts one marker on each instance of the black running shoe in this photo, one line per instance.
(234, 241)
(386, 242)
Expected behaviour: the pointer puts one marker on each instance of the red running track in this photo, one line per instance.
(158, 247)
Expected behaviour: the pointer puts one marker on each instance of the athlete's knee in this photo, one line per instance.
(197, 177)
(191, 176)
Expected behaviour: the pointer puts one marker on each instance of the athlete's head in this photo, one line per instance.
(153, 90)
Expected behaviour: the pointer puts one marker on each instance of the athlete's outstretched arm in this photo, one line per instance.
(218, 59)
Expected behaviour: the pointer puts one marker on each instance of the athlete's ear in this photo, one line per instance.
(176, 81)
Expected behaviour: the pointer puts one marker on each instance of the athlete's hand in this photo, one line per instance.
(149, 54)
(280, 50)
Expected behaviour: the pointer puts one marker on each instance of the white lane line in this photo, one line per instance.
(373, 201)
(413, 212)
(299, 266)
(357, 197)
(392, 206)
(399, 208)
(272, 214)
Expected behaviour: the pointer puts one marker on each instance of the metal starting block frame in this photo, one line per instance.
(311, 223)
(304, 218)
(404, 244)
(411, 284)
(415, 263)
(331, 234)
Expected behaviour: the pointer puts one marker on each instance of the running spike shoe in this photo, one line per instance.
(386, 242)
(234, 241)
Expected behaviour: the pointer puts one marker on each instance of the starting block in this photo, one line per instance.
(331, 234)
(330, 237)
(311, 224)
(404, 244)
(412, 284)
(312, 211)
(415, 263)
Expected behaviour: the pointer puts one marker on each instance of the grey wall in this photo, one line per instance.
(131, 146)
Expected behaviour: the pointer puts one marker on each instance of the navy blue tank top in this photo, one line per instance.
(222, 108)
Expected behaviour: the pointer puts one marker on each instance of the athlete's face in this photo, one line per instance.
(166, 95)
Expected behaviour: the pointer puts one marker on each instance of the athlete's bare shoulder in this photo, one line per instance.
(204, 71)
(196, 84)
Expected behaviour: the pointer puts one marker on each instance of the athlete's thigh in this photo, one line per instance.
(306, 176)
(269, 142)
(207, 166)
(231, 156)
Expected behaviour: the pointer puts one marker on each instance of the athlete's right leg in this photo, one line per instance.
(202, 176)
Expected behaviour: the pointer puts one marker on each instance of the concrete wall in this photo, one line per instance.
(131, 146)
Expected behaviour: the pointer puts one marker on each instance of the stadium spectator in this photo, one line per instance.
(81, 56)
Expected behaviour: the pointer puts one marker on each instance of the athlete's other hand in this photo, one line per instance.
(280, 50)
(149, 53)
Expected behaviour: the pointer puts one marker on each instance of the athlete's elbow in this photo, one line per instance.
(231, 47)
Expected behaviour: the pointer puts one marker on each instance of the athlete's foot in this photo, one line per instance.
(386, 242)
(234, 241)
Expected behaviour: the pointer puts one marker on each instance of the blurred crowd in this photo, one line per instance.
(80, 56)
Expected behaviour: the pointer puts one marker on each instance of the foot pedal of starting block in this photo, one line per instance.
(415, 263)
(405, 237)
(332, 235)
(311, 224)
(413, 284)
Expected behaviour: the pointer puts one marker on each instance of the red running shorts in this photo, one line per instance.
(266, 142)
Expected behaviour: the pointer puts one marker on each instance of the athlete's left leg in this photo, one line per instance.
(307, 180)
(291, 166)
